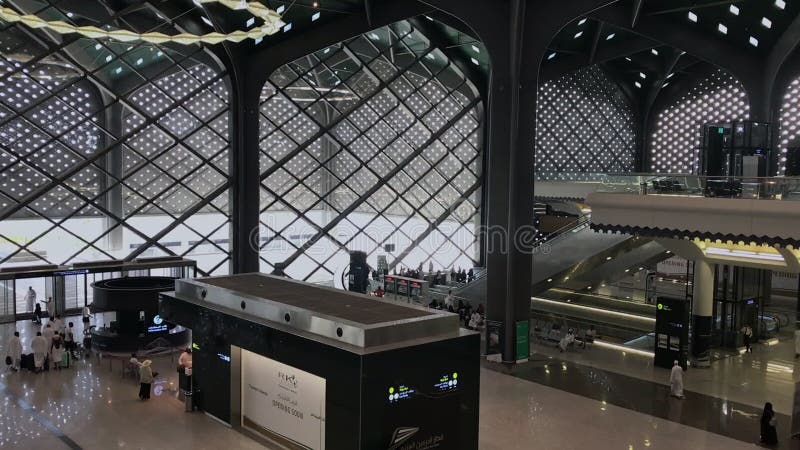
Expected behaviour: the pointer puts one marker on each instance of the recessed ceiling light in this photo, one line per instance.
(692, 17)
(766, 22)
(637, 84)
(722, 29)
(665, 84)
(551, 55)
(287, 27)
(654, 51)
(670, 75)
(476, 49)
(780, 4)
(475, 61)
(281, 9)
(578, 34)
(582, 21)
(250, 22)
(315, 16)
(642, 75)
(97, 46)
(734, 10)
(610, 36)
(207, 21)
(628, 59)
(753, 41)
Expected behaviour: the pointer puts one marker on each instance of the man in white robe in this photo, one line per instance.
(39, 347)
(676, 380)
(48, 334)
(30, 298)
(15, 350)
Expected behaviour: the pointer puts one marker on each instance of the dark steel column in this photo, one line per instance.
(244, 167)
(113, 167)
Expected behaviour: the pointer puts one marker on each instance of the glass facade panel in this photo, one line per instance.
(368, 150)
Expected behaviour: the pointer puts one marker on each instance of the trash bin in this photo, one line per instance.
(643, 188)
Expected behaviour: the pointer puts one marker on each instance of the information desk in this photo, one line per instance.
(310, 367)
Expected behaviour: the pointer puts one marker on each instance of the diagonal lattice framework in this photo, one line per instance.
(369, 143)
(678, 135)
(584, 126)
(789, 120)
(111, 150)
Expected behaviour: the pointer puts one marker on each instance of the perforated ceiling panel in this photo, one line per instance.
(677, 135)
(372, 145)
(790, 122)
(584, 125)
(110, 150)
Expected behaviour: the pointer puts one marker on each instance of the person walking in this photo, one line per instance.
(747, 333)
(30, 298)
(769, 434)
(145, 379)
(69, 340)
(676, 380)
(15, 351)
(48, 334)
(39, 348)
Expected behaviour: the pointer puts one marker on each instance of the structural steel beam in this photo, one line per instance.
(564, 64)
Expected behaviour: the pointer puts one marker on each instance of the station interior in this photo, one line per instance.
(400, 224)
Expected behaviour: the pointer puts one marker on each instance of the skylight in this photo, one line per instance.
(692, 17)
(753, 41)
(766, 22)
(780, 4)
(722, 29)
(734, 10)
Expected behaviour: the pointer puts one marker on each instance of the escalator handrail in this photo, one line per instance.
(581, 223)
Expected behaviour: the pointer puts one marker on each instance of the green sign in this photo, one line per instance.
(720, 130)
(523, 349)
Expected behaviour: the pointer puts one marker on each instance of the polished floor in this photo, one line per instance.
(91, 406)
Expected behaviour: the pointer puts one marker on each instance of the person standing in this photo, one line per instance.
(30, 298)
(57, 351)
(39, 348)
(69, 340)
(87, 314)
(769, 434)
(448, 300)
(185, 360)
(145, 379)
(15, 351)
(747, 333)
(48, 334)
(37, 314)
(676, 380)
(51, 308)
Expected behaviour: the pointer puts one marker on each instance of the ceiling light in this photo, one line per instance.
(287, 27)
(610, 36)
(654, 51)
(722, 28)
(315, 16)
(670, 75)
(628, 59)
(734, 10)
(637, 84)
(281, 9)
(665, 84)
(780, 4)
(642, 75)
(475, 61)
(207, 21)
(578, 34)
(476, 49)
(551, 56)
(753, 41)
(693, 17)
(582, 21)
(766, 22)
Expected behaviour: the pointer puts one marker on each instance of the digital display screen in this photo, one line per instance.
(447, 382)
(399, 393)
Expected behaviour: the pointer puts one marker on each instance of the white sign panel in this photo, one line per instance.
(284, 400)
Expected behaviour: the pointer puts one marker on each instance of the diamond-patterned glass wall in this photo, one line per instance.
(677, 133)
(790, 123)
(111, 150)
(372, 145)
(584, 125)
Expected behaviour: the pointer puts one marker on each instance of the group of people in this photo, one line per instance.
(52, 347)
(30, 300)
(471, 318)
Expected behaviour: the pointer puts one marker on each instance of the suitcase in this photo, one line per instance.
(26, 362)
(65, 360)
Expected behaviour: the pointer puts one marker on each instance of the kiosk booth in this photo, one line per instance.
(300, 366)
